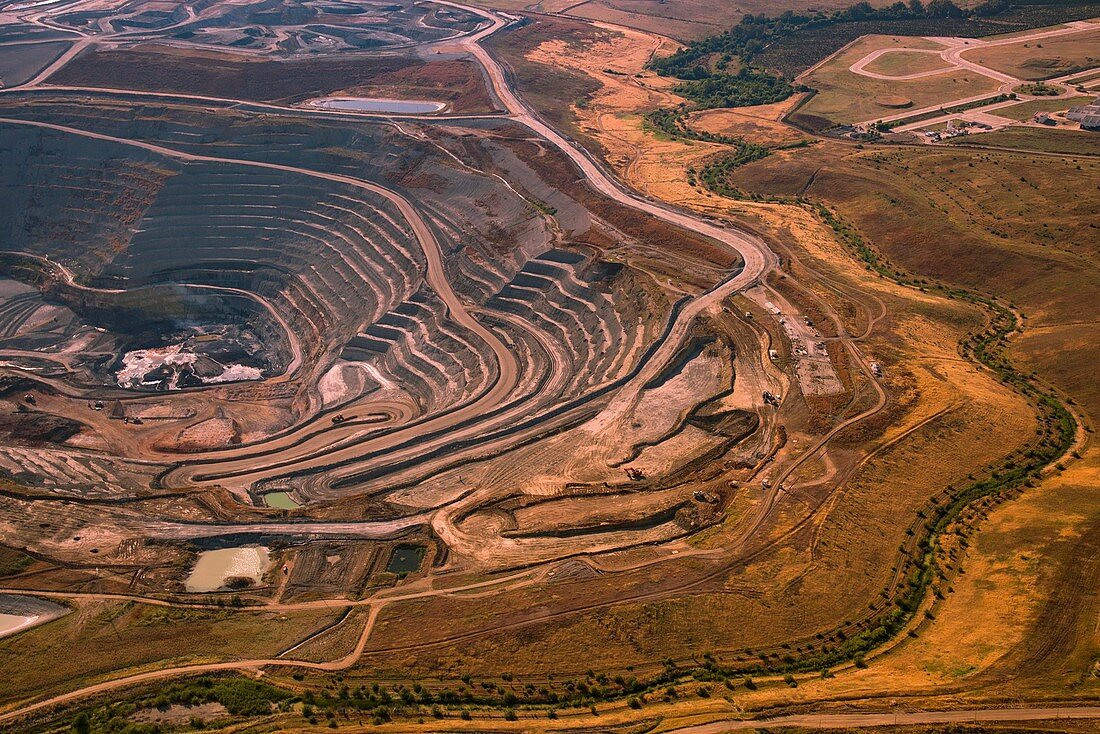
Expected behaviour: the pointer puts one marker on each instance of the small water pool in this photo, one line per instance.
(406, 559)
(215, 567)
(378, 104)
(280, 501)
(21, 613)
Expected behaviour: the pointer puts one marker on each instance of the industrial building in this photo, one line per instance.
(1087, 115)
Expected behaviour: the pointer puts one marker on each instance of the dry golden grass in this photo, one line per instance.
(901, 63)
(759, 124)
(101, 638)
(845, 97)
(1044, 58)
(1025, 110)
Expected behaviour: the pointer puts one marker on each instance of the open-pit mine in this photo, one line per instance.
(326, 357)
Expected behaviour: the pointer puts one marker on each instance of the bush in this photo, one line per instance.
(747, 88)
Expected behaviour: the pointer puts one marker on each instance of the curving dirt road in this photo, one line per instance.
(318, 448)
(70, 280)
(757, 260)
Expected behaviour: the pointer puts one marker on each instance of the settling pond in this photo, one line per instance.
(373, 104)
(215, 567)
(405, 559)
(10, 623)
(18, 613)
(280, 501)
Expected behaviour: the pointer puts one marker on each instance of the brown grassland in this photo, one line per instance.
(100, 637)
(900, 63)
(1016, 619)
(845, 97)
(1042, 59)
(1068, 142)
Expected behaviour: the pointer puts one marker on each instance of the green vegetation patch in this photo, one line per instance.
(1038, 89)
(746, 88)
(715, 174)
(13, 561)
(241, 697)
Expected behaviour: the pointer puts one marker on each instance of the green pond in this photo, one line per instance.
(280, 500)
(406, 559)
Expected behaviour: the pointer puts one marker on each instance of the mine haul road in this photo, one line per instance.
(67, 277)
(305, 450)
(756, 256)
(318, 448)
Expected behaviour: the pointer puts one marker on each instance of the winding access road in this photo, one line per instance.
(757, 259)
(318, 449)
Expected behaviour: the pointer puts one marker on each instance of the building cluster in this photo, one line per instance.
(956, 128)
(1087, 115)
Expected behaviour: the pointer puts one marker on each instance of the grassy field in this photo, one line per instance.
(990, 220)
(1042, 140)
(1026, 110)
(843, 97)
(1044, 58)
(100, 638)
(901, 63)
(1020, 226)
